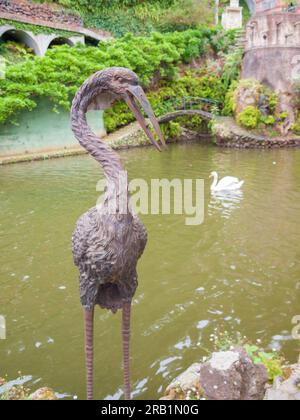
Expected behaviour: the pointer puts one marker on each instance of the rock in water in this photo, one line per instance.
(288, 390)
(232, 375)
(185, 384)
(43, 394)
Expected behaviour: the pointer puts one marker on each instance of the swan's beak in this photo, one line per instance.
(136, 94)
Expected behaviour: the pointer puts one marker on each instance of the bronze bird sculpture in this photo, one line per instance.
(108, 244)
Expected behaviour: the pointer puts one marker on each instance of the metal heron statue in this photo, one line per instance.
(108, 244)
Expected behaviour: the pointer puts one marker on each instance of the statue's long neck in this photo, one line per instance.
(101, 152)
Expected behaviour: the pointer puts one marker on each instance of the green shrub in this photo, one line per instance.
(142, 16)
(296, 125)
(249, 117)
(232, 67)
(272, 361)
(164, 100)
(267, 119)
(230, 101)
(171, 130)
(273, 101)
(59, 74)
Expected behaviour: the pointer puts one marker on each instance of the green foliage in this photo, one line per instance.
(243, 4)
(272, 100)
(171, 130)
(232, 67)
(246, 11)
(224, 341)
(296, 90)
(264, 104)
(185, 14)
(272, 361)
(249, 117)
(141, 16)
(267, 119)
(59, 74)
(197, 84)
(296, 125)
(230, 100)
(14, 52)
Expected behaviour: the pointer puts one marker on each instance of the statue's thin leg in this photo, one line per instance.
(89, 352)
(126, 348)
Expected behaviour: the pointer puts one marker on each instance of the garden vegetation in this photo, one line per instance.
(141, 16)
(156, 59)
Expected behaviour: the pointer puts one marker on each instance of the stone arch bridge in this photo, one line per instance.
(185, 113)
(184, 107)
(60, 27)
(39, 43)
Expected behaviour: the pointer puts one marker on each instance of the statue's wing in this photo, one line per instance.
(141, 233)
(81, 234)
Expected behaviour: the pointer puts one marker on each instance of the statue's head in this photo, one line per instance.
(119, 80)
(119, 83)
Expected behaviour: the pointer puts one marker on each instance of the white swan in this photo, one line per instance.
(228, 183)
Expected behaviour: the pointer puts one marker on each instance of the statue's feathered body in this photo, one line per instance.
(109, 240)
(106, 250)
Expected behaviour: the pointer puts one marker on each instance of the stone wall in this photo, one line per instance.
(273, 6)
(273, 30)
(272, 57)
(39, 12)
(228, 134)
(273, 67)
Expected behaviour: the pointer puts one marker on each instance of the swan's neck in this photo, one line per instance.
(215, 183)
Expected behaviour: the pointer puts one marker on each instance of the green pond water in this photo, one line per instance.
(238, 271)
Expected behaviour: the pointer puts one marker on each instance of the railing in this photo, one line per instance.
(188, 102)
(185, 106)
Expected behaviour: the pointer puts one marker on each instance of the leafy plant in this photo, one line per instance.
(230, 100)
(249, 117)
(141, 16)
(187, 13)
(272, 361)
(232, 67)
(296, 125)
(267, 119)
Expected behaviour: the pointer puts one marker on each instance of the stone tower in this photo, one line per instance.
(272, 53)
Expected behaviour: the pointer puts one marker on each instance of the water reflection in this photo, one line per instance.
(225, 202)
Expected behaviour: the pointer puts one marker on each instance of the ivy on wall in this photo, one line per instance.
(36, 29)
(141, 16)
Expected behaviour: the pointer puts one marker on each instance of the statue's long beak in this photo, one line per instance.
(136, 92)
